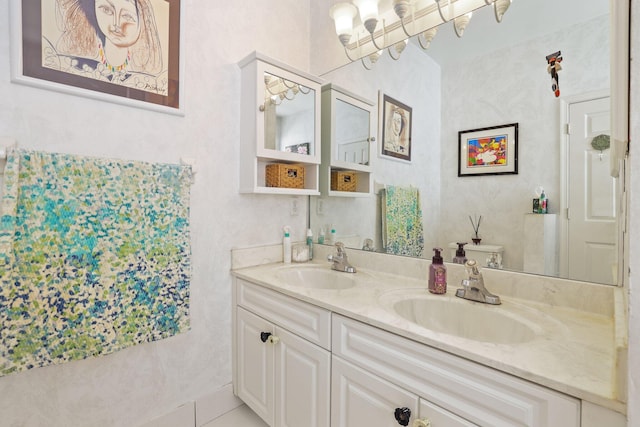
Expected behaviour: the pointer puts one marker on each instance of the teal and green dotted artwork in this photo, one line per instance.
(94, 257)
(403, 220)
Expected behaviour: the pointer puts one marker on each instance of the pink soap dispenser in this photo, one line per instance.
(437, 274)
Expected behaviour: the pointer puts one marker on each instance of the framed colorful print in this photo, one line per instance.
(488, 151)
(73, 46)
(395, 129)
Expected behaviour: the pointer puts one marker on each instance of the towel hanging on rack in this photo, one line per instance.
(95, 257)
(402, 230)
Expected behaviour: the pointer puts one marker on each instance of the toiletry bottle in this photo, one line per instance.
(437, 274)
(460, 257)
(321, 236)
(542, 204)
(310, 243)
(286, 246)
(333, 236)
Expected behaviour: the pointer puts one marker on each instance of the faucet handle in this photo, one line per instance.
(472, 267)
(340, 248)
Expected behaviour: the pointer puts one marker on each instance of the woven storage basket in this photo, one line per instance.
(284, 175)
(343, 181)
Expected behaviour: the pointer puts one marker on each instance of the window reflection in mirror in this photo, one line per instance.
(352, 133)
(289, 116)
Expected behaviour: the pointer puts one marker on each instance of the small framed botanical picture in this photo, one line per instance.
(488, 151)
(396, 129)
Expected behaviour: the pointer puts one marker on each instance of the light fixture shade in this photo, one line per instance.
(368, 10)
(500, 7)
(461, 22)
(343, 14)
(426, 37)
(401, 7)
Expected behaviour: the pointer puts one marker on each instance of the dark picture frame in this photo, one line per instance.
(488, 151)
(396, 121)
(46, 54)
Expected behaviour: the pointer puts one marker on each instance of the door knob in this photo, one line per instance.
(403, 415)
(268, 336)
(264, 336)
(422, 422)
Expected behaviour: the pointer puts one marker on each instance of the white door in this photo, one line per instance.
(302, 384)
(255, 364)
(358, 398)
(592, 196)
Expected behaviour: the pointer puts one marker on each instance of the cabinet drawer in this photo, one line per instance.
(359, 398)
(440, 417)
(305, 320)
(476, 393)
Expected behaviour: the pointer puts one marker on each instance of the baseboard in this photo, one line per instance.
(200, 412)
(216, 404)
(183, 416)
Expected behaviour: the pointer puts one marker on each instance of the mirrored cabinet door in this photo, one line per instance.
(280, 135)
(289, 116)
(348, 143)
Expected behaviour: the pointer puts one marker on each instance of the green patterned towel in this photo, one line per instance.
(94, 257)
(402, 231)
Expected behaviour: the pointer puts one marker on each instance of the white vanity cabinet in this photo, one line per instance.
(451, 389)
(282, 358)
(280, 109)
(361, 398)
(297, 364)
(348, 143)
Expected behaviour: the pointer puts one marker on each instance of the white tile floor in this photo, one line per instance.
(241, 416)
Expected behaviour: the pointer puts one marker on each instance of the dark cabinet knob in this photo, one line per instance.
(264, 336)
(402, 416)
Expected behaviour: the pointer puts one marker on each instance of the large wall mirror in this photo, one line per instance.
(496, 74)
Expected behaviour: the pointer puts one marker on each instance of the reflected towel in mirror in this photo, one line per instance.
(402, 229)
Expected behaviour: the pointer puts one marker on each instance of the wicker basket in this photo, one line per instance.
(284, 175)
(343, 181)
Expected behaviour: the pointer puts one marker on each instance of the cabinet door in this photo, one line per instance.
(255, 364)
(440, 417)
(302, 382)
(359, 398)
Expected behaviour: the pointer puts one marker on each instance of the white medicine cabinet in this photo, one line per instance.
(280, 135)
(348, 143)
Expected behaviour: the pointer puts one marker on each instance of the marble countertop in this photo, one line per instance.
(573, 351)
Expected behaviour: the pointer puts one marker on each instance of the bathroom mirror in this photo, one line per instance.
(289, 111)
(496, 74)
(352, 128)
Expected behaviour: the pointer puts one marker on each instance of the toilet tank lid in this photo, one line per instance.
(479, 248)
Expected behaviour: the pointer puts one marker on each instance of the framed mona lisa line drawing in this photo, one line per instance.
(124, 51)
(396, 129)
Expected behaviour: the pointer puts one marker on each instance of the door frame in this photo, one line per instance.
(563, 229)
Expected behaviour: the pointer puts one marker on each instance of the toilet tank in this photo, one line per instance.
(483, 254)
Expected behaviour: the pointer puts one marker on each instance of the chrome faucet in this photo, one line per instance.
(339, 260)
(368, 245)
(473, 288)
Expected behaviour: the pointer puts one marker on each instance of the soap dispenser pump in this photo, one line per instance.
(437, 273)
(460, 257)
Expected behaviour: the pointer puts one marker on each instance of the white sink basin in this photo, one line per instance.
(465, 319)
(316, 277)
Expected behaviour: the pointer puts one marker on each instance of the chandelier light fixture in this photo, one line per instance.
(376, 31)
